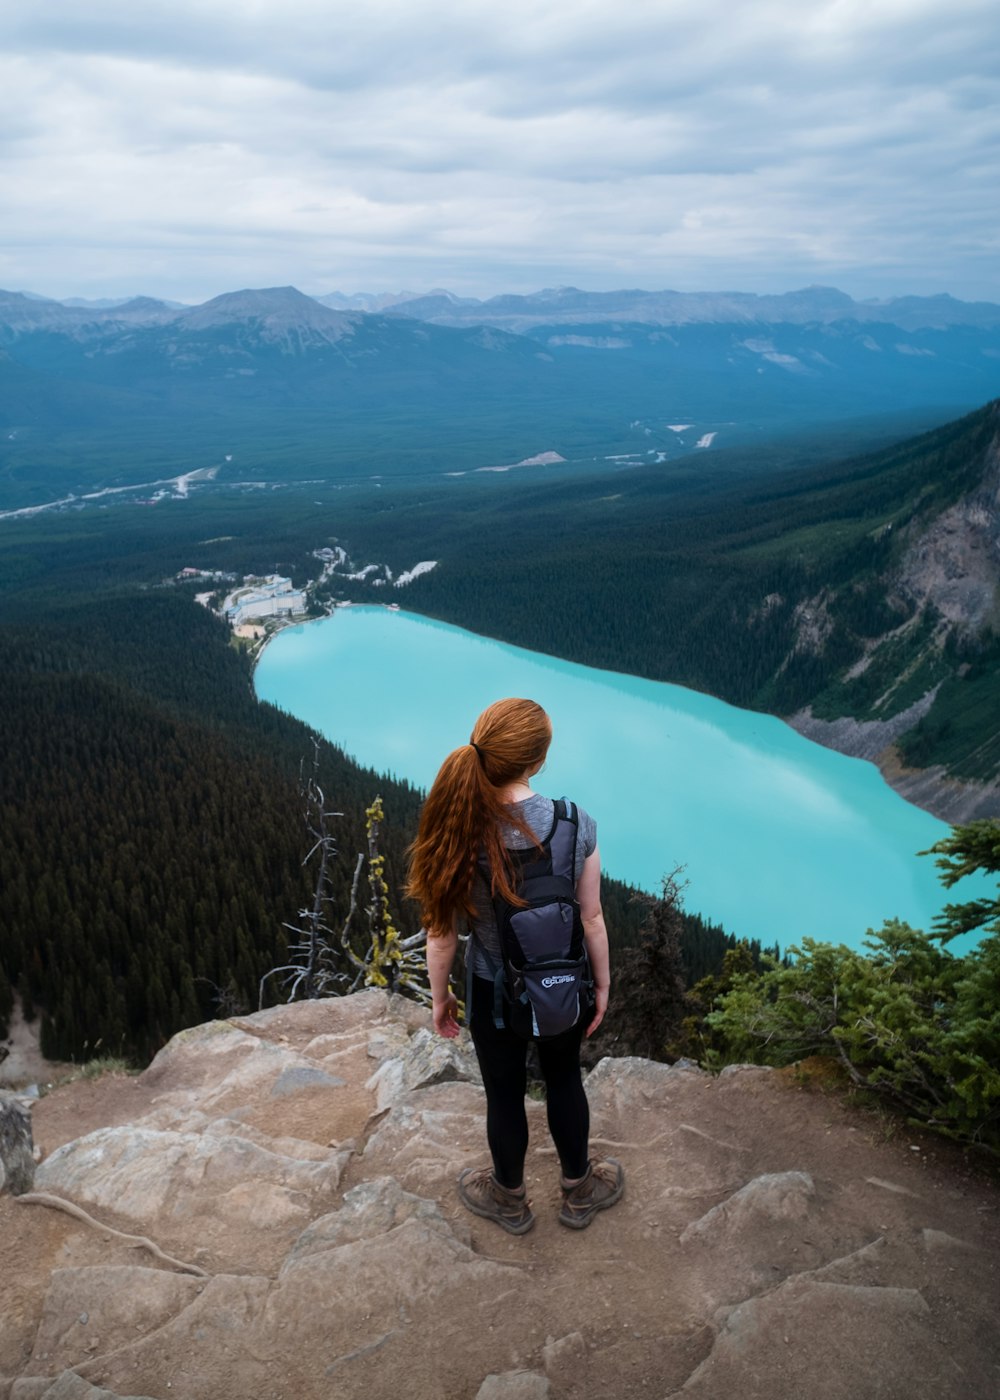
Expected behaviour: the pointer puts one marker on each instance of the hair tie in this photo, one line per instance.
(479, 752)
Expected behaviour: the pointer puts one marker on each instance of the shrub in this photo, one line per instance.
(908, 1021)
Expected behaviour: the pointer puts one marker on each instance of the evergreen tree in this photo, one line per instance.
(648, 995)
(969, 848)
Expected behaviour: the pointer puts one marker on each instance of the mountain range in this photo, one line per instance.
(273, 384)
(819, 305)
(800, 333)
(567, 305)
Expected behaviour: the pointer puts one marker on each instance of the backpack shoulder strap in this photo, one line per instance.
(562, 838)
(566, 811)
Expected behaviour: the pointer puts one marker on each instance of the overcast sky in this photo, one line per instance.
(192, 147)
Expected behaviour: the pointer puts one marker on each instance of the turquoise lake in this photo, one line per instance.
(780, 838)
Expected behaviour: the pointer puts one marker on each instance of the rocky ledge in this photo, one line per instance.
(269, 1211)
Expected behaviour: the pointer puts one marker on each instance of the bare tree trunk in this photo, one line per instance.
(322, 960)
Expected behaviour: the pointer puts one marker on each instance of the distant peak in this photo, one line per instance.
(249, 295)
(281, 315)
(142, 304)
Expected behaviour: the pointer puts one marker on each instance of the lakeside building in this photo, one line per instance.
(268, 597)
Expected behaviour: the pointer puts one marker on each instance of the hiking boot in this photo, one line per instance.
(480, 1192)
(600, 1188)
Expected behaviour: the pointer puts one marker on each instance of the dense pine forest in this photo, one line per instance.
(153, 831)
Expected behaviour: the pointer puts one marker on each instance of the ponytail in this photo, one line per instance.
(464, 813)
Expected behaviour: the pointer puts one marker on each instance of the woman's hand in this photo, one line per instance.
(441, 948)
(600, 1006)
(446, 1015)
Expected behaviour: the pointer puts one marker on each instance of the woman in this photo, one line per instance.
(481, 803)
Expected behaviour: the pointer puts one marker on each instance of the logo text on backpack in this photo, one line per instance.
(555, 981)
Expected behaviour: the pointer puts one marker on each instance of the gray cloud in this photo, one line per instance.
(190, 147)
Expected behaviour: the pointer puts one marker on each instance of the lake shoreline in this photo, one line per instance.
(933, 790)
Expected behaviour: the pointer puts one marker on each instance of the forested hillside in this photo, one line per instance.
(151, 825)
(153, 832)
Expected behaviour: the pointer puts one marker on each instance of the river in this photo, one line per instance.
(779, 837)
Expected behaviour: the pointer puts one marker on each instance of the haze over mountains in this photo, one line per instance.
(274, 384)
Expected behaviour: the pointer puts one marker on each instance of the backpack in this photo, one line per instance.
(543, 984)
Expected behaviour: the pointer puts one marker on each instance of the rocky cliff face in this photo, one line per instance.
(954, 564)
(276, 1216)
(948, 572)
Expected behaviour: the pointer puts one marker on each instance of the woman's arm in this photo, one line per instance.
(441, 948)
(595, 934)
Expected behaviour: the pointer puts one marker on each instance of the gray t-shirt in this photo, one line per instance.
(538, 812)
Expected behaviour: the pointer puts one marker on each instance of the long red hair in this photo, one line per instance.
(464, 812)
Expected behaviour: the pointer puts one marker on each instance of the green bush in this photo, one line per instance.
(907, 1020)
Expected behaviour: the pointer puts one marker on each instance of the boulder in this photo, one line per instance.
(147, 1175)
(174, 1118)
(189, 1341)
(939, 1241)
(744, 1071)
(867, 1266)
(425, 1059)
(344, 1305)
(425, 1139)
(301, 1021)
(754, 1238)
(826, 1341)
(369, 1209)
(625, 1084)
(95, 1310)
(565, 1358)
(776, 1196)
(17, 1162)
(225, 1068)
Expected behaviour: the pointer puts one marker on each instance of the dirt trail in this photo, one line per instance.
(24, 1063)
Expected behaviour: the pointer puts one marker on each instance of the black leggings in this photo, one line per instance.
(502, 1060)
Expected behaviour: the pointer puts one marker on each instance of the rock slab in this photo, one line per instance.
(304, 1161)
